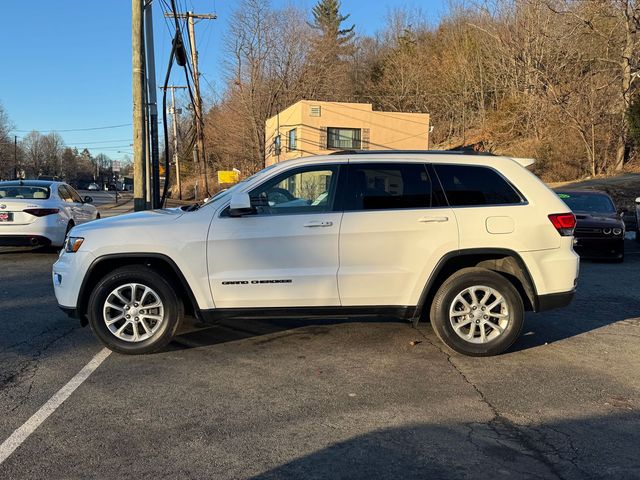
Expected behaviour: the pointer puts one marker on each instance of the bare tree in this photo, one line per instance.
(6, 146)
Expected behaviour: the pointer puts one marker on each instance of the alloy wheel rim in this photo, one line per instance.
(479, 314)
(133, 312)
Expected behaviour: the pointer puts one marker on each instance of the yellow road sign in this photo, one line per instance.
(228, 176)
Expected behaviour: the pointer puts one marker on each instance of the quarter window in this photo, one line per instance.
(470, 185)
(306, 190)
(382, 186)
(343, 138)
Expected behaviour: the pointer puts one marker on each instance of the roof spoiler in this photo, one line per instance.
(525, 162)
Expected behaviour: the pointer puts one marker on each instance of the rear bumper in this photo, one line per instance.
(24, 241)
(52, 228)
(554, 300)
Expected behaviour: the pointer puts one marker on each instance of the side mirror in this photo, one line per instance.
(88, 199)
(240, 205)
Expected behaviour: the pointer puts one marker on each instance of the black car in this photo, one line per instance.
(599, 232)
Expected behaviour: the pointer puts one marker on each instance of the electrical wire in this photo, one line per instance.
(77, 129)
(188, 74)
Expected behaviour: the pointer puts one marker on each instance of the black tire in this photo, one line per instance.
(173, 309)
(638, 235)
(98, 216)
(456, 284)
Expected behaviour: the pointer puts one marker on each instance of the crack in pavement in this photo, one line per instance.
(502, 426)
(28, 369)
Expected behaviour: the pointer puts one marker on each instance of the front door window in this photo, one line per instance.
(307, 190)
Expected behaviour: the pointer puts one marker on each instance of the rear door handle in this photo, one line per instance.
(433, 219)
(316, 223)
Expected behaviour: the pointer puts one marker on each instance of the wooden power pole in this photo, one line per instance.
(202, 159)
(139, 130)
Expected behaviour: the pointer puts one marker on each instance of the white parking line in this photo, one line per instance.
(22, 433)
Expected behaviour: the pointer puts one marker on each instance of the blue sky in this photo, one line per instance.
(67, 65)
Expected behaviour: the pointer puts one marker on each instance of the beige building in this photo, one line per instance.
(315, 128)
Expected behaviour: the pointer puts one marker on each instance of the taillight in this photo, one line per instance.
(564, 223)
(41, 212)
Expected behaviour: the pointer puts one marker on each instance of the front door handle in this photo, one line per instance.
(316, 223)
(433, 219)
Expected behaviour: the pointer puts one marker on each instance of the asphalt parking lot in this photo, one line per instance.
(330, 399)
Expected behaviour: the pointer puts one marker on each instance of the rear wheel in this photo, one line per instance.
(477, 312)
(134, 310)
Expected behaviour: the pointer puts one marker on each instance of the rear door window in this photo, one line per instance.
(75, 196)
(388, 186)
(64, 194)
(471, 185)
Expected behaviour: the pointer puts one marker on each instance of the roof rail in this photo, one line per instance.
(378, 152)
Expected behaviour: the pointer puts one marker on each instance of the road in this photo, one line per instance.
(106, 202)
(327, 399)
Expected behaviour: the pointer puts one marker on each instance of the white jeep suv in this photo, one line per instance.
(468, 241)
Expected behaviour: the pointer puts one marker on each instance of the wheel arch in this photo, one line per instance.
(503, 261)
(158, 262)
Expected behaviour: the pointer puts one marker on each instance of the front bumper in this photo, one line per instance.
(599, 247)
(67, 275)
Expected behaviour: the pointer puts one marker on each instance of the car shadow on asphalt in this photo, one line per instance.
(587, 312)
(194, 334)
(607, 293)
(590, 447)
(29, 250)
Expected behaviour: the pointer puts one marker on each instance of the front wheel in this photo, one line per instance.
(134, 310)
(477, 312)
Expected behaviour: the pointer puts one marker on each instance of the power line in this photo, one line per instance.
(75, 129)
(105, 141)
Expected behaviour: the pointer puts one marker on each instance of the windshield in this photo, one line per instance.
(24, 191)
(588, 203)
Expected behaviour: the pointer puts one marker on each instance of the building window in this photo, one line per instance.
(343, 138)
(277, 145)
(292, 140)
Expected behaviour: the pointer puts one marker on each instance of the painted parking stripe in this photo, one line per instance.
(22, 433)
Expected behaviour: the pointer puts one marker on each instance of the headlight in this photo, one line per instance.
(72, 244)
(617, 231)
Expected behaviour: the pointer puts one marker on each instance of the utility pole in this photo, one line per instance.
(15, 156)
(153, 107)
(139, 140)
(174, 121)
(202, 160)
